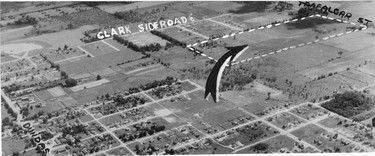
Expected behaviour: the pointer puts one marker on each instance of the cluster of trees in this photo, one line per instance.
(74, 130)
(129, 102)
(26, 20)
(350, 103)
(167, 81)
(142, 131)
(161, 92)
(9, 110)
(70, 82)
(131, 45)
(168, 38)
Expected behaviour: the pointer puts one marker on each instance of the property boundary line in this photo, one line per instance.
(191, 46)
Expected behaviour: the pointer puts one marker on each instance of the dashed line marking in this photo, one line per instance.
(363, 27)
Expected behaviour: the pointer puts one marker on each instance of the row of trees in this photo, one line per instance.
(131, 45)
(168, 38)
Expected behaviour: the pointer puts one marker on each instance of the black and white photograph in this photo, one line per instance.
(124, 78)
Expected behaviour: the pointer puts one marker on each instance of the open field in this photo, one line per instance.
(182, 35)
(89, 85)
(118, 7)
(142, 39)
(98, 48)
(56, 91)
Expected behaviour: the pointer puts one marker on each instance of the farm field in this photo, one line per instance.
(182, 35)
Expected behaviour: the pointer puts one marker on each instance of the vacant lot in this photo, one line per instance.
(182, 35)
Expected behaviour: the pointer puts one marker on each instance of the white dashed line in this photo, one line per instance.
(340, 34)
(257, 57)
(285, 48)
(204, 41)
(317, 40)
(215, 39)
(278, 51)
(269, 26)
(345, 21)
(210, 57)
(249, 59)
(243, 61)
(226, 36)
(292, 47)
(303, 18)
(191, 49)
(260, 27)
(264, 55)
(348, 32)
(364, 28)
(286, 22)
(352, 23)
(301, 44)
(203, 54)
(195, 44)
(338, 20)
(277, 24)
(308, 43)
(318, 15)
(332, 36)
(324, 17)
(251, 30)
(355, 30)
(325, 38)
(271, 53)
(189, 45)
(330, 18)
(232, 34)
(240, 32)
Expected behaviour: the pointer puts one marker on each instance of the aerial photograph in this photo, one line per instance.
(123, 78)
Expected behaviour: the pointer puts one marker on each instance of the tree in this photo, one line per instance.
(303, 12)
(268, 95)
(340, 53)
(98, 77)
(70, 82)
(63, 74)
